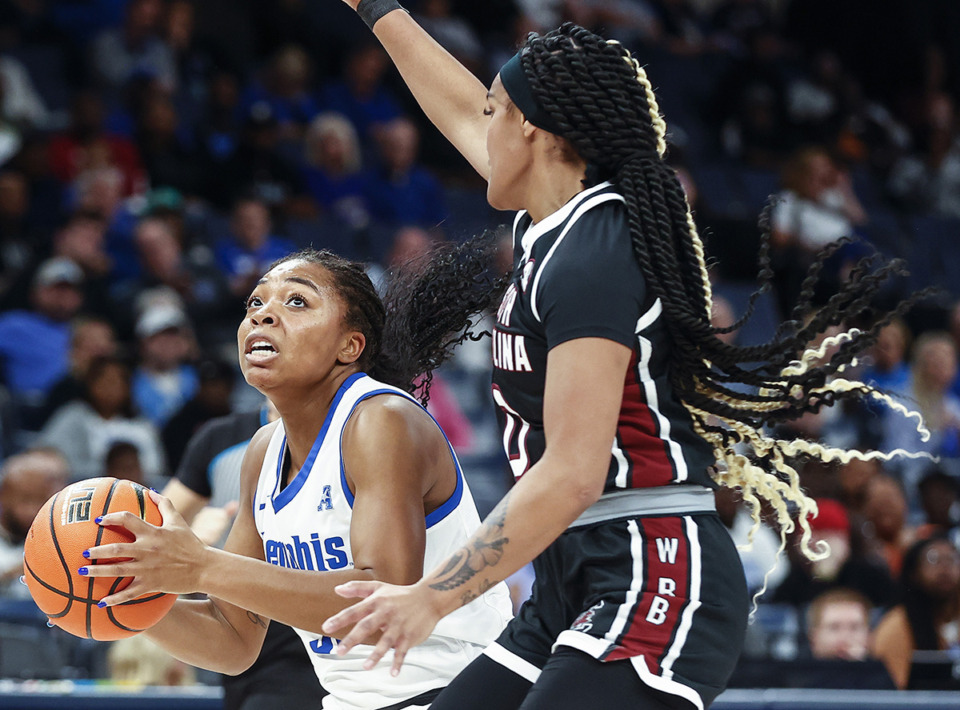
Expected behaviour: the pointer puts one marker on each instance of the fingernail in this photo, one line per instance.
(101, 605)
(394, 672)
(82, 570)
(98, 519)
(23, 580)
(86, 553)
(154, 490)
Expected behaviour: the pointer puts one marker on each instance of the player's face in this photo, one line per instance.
(293, 331)
(508, 151)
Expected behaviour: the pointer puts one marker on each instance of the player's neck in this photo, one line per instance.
(555, 183)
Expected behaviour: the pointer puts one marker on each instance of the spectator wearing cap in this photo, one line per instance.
(849, 563)
(247, 252)
(86, 429)
(212, 399)
(35, 344)
(164, 378)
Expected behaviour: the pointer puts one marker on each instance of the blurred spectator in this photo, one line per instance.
(137, 661)
(135, 48)
(123, 461)
(27, 481)
(218, 125)
(19, 101)
(765, 568)
(929, 180)
(90, 338)
(401, 192)
(928, 617)
(628, 21)
(751, 105)
(849, 564)
(85, 145)
(681, 26)
(250, 248)
(195, 56)
(82, 240)
(885, 511)
(838, 625)
(932, 373)
(360, 94)
(940, 500)
(452, 33)
(256, 167)
(887, 368)
(854, 477)
(19, 242)
(168, 159)
(215, 381)
(35, 344)
(164, 379)
(733, 22)
(286, 89)
(333, 169)
(86, 428)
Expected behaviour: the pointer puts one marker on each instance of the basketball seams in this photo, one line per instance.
(63, 560)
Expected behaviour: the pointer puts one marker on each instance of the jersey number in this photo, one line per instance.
(515, 431)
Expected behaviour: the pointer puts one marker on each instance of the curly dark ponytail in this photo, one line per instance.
(602, 103)
(427, 311)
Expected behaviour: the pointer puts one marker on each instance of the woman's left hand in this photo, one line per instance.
(160, 559)
(405, 616)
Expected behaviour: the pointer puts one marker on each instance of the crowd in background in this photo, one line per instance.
(157, 155)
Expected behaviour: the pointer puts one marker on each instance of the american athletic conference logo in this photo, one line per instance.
(326, 500)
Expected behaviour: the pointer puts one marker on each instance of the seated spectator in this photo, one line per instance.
(135, 48)
(20, 241)
(35, 344)
(164, 379)
(85, 145)
(940, 500)
(932, 372)
(20, 103)
(401, 192)
(90, 338)
(849, 563)
(360, 94)
(212, 399)
(83, 240)
(333, 169)
(137, 661)
(887, 368)
(452, 33)
(250, 248)
(765, 568)
(220, 119)
(286, 89)
(885, 511)
(123, 461)
(170, 161)
(27, 481)
(85, 429)
(838, 625)
(928, 617)
(929, 180)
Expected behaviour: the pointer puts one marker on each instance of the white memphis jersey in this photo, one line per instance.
(307, 526)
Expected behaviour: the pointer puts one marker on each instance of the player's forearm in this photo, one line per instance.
(451, 97)
(530, 517)
(298, 598)
(197, 632)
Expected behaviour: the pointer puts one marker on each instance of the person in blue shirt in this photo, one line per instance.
(250, 248)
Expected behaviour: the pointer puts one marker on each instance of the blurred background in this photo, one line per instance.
(157, 155)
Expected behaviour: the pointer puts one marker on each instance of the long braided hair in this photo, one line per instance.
(426, 312)
(601, 101)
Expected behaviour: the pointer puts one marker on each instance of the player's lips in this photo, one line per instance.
(259, 348)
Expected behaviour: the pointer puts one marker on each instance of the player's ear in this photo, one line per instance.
(352, 347)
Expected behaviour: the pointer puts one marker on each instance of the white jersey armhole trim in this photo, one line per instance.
(581, 210)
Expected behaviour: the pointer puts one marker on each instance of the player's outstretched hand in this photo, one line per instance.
(160, 559)
(405, 616)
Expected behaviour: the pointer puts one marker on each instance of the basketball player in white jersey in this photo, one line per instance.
(356, 481)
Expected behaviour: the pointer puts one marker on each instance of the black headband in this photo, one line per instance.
(518, 89)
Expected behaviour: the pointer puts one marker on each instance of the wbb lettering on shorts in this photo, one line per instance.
(666, 586)
(312, 554)
(77, 509)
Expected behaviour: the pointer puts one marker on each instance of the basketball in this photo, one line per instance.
(53, 552)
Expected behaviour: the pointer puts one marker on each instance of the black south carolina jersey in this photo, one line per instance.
(575, 276)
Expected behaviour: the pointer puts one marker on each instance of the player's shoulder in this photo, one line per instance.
(389, 419)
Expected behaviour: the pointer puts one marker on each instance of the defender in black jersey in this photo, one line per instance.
(616, 395)
(209, 474)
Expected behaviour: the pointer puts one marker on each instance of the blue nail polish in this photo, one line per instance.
(98, 519)
(82, 570)
(86, 553)
(101, 605)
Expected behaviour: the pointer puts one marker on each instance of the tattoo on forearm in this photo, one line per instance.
(484, 550)
(255, 619)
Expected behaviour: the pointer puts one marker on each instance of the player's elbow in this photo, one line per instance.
(237, 662)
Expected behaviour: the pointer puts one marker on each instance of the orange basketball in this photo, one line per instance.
(53, 552)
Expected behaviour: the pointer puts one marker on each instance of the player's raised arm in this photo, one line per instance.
(453, 98)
